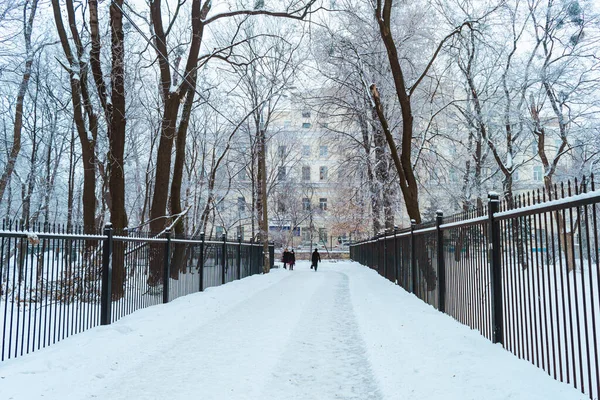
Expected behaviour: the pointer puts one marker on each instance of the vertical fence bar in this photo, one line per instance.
(224, 261)
(166, 266)
(496, 267)
(201, 262)
(439, 218)
(413, 258)
(396, 260)
(106, 294)
(384, 254)
(239, 257)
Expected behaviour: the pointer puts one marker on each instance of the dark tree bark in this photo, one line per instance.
(116, 135)
(80, 99)
(408, 182)
(410, 192)
(172, 102)
(178, 261)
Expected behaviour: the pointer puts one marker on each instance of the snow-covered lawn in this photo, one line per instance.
(343, 332)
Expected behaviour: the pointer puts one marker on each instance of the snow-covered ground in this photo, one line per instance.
(343, 332)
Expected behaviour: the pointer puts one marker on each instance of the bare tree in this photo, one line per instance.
(29, 11)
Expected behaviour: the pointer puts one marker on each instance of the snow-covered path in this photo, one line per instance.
(340, 333)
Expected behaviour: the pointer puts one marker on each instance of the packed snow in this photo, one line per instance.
(343, 332)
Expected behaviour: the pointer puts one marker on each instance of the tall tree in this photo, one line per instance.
(82, 107)
(31, 8)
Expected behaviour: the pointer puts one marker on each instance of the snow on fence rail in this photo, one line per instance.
(55, 284)
(526, 277)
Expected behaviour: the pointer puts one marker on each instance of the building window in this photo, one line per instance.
(515, 175)
(305, 234)
(281, 174)
(220, 231)
(323, 203)
(287, 124)
(241, 202)
(323, 235)
(306, 125)
(306, 173)
(537, 173)
(324, 125)
(305, 114)
(281, 150)
(306, 150)
(323, 151)
(240, 232)
(323, 173)
(306, 204)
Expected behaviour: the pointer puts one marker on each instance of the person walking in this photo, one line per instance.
(316, 258)
(292, 258)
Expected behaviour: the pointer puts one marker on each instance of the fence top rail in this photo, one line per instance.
(48, 235)
(465, 223)
(425, 230)
(77, 236)
(552, 205)
(139, 239)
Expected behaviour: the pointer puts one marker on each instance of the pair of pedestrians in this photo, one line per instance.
(288, 259)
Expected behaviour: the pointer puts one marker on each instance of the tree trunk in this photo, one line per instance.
(88, 156)
(71, 181)
(178, 261)
(117, 122)
(18, 124)
(161, 183)
(408, 182)
(261, 204)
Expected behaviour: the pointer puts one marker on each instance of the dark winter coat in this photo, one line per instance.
(292, 259)
(286, 257)
(316, 257)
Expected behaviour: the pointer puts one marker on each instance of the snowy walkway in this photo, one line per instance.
(340, 333)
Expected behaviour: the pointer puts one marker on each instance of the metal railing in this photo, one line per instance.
(523, 272)
(57, 282)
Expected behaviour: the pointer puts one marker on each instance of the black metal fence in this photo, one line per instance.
(56, 282)
(524, 272)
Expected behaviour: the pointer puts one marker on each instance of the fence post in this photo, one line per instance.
(413, 258)
(224, 261)
(201, 262)
(106, 295)
(441, 266)
(272, 253)
(167, 266)
(384, 254)
(496, 267)
(396, 263)
(239, 257)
